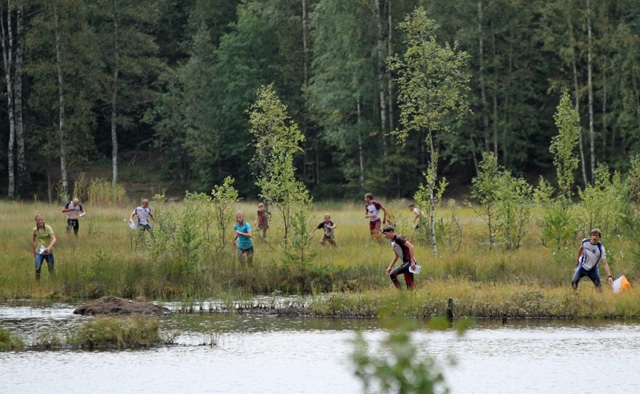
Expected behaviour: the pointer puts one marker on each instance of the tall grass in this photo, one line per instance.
(102, 192)
(10, 341)
(107, 258)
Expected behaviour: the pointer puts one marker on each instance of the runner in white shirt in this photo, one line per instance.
(143, 213)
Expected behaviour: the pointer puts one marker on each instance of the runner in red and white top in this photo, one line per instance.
(373, 209)
(403, 250)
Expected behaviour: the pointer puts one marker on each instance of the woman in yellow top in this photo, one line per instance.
(43, 241)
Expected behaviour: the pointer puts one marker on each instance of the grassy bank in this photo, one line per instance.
(107, 258)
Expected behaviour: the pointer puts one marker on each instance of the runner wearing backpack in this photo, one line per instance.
(590, 253)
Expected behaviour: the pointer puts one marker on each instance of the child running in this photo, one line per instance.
(328, 227)
(262, 221)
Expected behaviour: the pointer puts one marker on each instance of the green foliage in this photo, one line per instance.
(513, 209)
(129, 60)
(558, 222)
(634, 179)
(10, 342)
(432, 79)
(432, 91)
(224, 199)
(276, 140)
(483, 191)
(183, 235)
(423, 197)
(505, 202)
(563, 145)
(605, 204)
(559, 227)
(449, 230)
(543, 193)
(301, 252)
(400, 369)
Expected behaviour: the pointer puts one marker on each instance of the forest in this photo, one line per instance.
(88, 81)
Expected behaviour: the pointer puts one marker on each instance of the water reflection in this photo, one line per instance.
(262, 354)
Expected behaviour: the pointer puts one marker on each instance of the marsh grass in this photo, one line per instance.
(10, 341)
(118, 332)
(108, 332)
(107, 258)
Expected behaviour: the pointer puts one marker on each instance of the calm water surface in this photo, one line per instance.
(306, 355)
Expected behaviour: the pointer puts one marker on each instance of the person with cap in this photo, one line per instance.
(402, 250)
(591, 252)
(73, 209)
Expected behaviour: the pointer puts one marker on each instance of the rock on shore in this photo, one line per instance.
(120, 306)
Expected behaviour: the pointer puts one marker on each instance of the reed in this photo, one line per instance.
(10, 342)
(107, 258)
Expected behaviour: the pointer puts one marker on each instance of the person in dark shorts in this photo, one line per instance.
(403, 250)
(591, 252)
(143, 212)
(74, 210)
(327, 225)
(242, 240)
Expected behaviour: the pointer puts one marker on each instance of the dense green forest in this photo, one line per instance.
(101, 80)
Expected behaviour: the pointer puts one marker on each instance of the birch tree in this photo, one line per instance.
(64, 68)
(128, 52)
(277, 139)
(432, 90)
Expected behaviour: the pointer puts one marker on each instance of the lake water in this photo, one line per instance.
(307, 355)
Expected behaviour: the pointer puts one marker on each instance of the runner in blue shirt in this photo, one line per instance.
(242, 241)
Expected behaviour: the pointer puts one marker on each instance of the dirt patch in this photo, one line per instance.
(120, 306)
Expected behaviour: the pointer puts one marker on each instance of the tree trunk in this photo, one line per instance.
(576, 89)
(305, 49)
(590, 88)
(380, 74)
(63, 154)
(21, 160)
(604, 112)
(360, 152)
(389, 79)
(483, 92)
(7, 57)
(304, 44)
(114, 97)
(432, 199)
(495, 94)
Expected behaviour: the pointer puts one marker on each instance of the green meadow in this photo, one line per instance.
(188, 262)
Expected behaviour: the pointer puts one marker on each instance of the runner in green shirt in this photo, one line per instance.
(43, 241)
